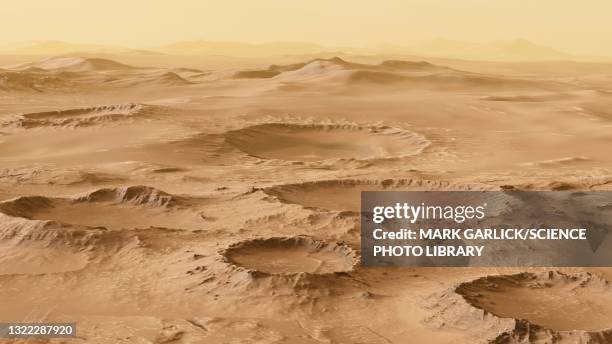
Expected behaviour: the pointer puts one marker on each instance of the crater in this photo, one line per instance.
(39, 247)
(292, 255)
(113, 208)
(75, 118)
(41, 260)
(309, 143)
(553, 300)
(345, 195)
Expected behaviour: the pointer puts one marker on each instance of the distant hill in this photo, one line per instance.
(46, 48)
(517, 50)
(73, 64)
(320, 66)
(51, 48)
(512, 50)
(240, 49)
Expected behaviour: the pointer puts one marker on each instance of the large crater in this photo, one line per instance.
(310, 143)
(345, 195)
(552, 300)
(291, 256)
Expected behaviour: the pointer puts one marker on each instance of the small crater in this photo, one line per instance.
(81, 117)
(292, 256)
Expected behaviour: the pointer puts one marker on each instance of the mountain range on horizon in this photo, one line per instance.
(501, 50)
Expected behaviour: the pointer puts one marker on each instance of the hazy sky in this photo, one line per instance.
(581, 27)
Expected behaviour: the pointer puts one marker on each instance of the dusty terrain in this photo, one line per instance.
(220, 205)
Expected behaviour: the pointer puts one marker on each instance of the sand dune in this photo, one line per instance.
(72, 64)
(11, 81)
(305, 68)
(410, 65)
(65, 73)
(171, 79)
(336, 72)
(319, 66)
